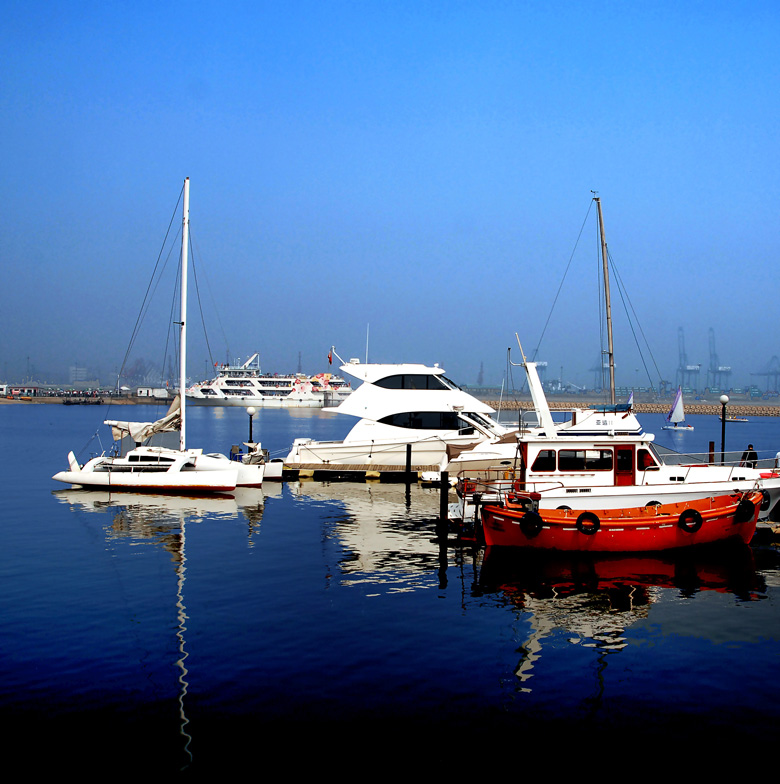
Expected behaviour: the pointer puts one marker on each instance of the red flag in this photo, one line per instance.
(330, 357)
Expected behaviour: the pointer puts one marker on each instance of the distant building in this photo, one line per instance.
(158, 393)
(77, 375)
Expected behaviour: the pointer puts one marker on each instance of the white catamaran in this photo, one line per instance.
(159, 468)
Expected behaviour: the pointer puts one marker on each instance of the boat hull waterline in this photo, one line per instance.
(722, 518)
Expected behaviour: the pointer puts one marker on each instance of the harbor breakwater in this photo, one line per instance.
(691, 409)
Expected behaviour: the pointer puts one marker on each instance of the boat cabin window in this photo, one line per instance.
(585, 460)
(149, 459)
(545, 461)
(410, 381)
(625, 459)
(645, 460)
(429, 420)
(480, 420)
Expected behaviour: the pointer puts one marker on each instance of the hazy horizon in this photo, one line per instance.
(411, 176)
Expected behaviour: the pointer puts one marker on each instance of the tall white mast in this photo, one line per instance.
(185, 236)
(607, 303)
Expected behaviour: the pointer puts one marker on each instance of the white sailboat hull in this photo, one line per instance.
(154, 468)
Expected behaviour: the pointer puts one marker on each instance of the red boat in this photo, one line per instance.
(518, 522)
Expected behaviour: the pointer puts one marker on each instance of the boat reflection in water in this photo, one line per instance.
(162, 520)
(594, 599)
(150, 516)
(384, 529)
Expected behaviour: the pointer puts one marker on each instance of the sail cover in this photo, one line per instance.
(141, 431)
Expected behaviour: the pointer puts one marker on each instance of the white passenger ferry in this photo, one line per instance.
(245, 385)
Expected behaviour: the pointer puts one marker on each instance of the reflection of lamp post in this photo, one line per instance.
(723, 400)
(251, 411)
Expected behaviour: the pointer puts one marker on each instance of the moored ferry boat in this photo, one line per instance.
(246, 385)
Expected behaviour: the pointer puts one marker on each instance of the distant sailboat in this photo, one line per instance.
(676, 416)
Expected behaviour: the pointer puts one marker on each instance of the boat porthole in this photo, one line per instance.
(766, 500)
(690, 521)
(531, 524)
(745, 511)
(588, 523)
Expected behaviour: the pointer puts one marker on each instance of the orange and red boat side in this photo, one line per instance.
(641, 529)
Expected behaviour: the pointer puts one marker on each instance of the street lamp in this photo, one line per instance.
(252, 411)
(723, 400)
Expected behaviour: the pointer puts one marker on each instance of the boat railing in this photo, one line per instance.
(733, 459)
(501, 485)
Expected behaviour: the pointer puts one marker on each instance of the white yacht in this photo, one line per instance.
(245, 385)
(598, 458)
(400, 405)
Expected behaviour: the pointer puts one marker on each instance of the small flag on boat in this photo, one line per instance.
(631, 400)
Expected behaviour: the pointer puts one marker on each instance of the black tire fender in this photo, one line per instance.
(690, 521)
(588, 523)
(531, 524)
(745, 511)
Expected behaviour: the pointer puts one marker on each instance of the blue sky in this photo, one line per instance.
(416, 170)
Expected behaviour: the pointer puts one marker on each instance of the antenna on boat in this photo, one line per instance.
(537, 394)
(522, 353)
(333, 352)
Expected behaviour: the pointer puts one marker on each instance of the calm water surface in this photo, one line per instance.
(198, 635)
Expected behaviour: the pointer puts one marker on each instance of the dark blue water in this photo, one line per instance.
(322, 625)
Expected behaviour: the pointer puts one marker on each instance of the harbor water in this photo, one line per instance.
(322, 624)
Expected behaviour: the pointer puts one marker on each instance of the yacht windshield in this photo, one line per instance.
(429, 420)
(411, 381)
(478, 419)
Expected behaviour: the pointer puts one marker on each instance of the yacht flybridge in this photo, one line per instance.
(400, 405)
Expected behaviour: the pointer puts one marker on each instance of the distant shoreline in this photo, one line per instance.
(691, 409)
(80, 401)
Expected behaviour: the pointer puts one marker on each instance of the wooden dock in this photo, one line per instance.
(333, 472)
